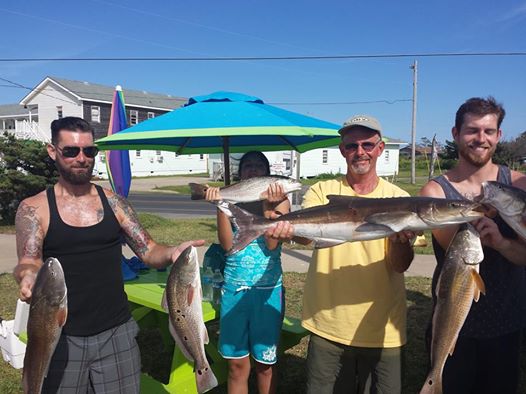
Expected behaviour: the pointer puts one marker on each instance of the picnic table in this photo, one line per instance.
(145, 295)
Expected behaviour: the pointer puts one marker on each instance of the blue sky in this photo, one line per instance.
(99, 28)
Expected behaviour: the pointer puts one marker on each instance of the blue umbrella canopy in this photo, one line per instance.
(250, 124)
(226, 122)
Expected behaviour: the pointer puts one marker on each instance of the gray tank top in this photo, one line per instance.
(501, 311)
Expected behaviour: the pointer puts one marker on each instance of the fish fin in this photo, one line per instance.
(164, 301)
(179, 342)
(396, 221)
(198, 191)
(62, 316)
(452, 347)
(205, 379)
(479, 284)
(190, 295)
(204, 334)
(321, 243)
(244, 222)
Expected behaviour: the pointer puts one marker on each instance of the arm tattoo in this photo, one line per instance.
(29, 233)
(136, 235)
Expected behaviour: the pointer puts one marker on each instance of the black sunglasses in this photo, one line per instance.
(366, 146)
(73, 151)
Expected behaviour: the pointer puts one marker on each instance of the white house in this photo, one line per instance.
(55, 98)
(314, 162)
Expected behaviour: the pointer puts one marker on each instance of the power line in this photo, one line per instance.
(261, 58)
(20, 86)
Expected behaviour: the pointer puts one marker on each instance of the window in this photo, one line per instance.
(158, 152)
(60, 114)
(138, 154)
(151, 115)
(386, 155)
(95, 114)
(201, 156)
(134, 116)
(176, 154)
(325, 156)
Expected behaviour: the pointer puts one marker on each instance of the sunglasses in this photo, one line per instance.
(366, 146)
(73, 151)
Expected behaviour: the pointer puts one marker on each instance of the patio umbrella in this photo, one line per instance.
(118, 161)
(226, 122)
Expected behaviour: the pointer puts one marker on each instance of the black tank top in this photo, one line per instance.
(91, 259)
(501, 310)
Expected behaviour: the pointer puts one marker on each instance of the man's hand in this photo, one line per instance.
(404, 236)
(177, 250)
(490, 234)
(26, 286)
(212, 194)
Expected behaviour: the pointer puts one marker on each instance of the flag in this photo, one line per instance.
(118, 161)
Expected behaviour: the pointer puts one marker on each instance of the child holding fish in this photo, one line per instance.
(252, 305)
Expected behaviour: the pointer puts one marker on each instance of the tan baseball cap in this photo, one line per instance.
(362, 121)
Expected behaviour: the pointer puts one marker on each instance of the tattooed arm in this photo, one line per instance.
(29, 241)
(138, 238)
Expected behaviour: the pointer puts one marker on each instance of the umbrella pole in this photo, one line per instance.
(226, 161)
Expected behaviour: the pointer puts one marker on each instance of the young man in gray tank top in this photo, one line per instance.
(81, 224)
(486, 356)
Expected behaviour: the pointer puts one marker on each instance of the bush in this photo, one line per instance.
(25, 170)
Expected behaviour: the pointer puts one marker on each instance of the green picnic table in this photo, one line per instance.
(144, 296)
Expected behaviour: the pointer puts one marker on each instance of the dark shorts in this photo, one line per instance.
(108, 362)
(336, 368)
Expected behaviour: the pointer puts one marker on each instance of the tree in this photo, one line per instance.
(25, 170)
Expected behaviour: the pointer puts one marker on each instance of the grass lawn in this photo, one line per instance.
(292, 364)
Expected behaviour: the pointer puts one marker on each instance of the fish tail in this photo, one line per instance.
(432, 385)
(205, 379)
(248, 226)
(198, 191)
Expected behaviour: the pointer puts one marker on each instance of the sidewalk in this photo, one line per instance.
(293, 260)
(149, 184)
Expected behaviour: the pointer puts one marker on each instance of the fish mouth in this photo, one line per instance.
(470, 263)
(477, 209)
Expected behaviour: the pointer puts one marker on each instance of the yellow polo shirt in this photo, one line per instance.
(351, 295)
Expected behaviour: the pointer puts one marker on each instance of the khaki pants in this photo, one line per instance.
(336, 368)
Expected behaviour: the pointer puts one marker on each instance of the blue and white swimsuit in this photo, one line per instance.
(252, 306)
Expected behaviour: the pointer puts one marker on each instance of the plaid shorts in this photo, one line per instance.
(108, 362)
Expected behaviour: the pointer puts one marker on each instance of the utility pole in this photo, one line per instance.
(413, 124)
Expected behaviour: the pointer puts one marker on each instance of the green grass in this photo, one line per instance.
(291, 366)
(175, 231)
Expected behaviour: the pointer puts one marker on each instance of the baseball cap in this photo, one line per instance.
(362, 121)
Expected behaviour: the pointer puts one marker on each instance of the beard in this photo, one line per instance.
(361, 167)
(474, 159)
(76, 177)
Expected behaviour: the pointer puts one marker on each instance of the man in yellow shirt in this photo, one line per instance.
(354, 301)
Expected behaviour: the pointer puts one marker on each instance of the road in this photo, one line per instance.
(171, 205)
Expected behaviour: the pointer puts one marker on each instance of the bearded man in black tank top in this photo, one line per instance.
(486, 355)
(81, 224)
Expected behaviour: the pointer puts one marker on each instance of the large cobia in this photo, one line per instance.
(509, 201)
(458, 285)
(47, 315)
(182, 298)
(253, 189)
(347, 218)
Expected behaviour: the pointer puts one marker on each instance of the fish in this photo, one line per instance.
(459, 284)
(347, 219)
(182, 299)
(249, 190)
(48, 313)
(509, 201)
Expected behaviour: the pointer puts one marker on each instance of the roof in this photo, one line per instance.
(10, 110)
(88, 91)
